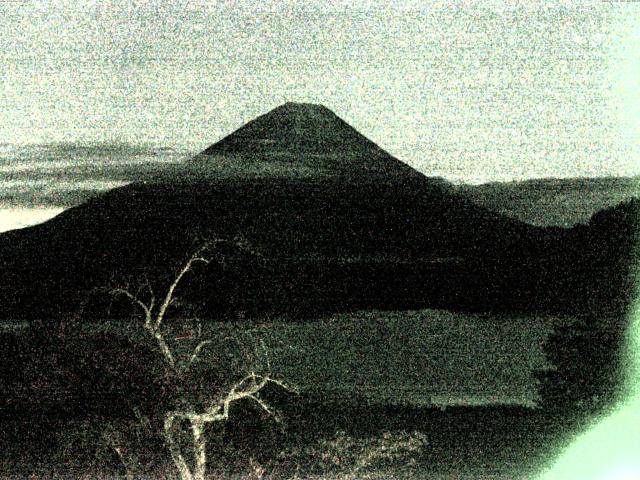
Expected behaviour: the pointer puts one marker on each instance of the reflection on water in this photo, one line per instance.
(12, 218)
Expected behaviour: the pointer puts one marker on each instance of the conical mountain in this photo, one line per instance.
(301, 139)
(296, 128)
(339, 224)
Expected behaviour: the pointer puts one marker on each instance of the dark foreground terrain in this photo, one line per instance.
(317, 439)
(334, 224)
(86, 403)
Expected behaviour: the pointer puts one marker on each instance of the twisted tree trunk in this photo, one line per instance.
(248, 387)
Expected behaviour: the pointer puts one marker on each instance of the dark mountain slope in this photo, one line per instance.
(339, 224)
(299, 127)
(328, 240)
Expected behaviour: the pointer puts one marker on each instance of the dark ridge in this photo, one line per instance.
(561, 202)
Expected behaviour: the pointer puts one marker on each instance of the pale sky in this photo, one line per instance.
(472, 91)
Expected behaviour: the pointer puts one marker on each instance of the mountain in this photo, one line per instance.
(299, 140)
(562, 202)
(297, 128)
(337, 223)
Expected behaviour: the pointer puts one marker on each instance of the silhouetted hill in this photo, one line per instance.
(339, 225)
(560, 202)
(591, 272)
(328, 243)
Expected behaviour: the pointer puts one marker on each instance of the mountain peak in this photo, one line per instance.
(300, 139)
(303, 107)
(296, 128)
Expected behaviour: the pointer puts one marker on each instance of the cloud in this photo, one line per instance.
(66, 174)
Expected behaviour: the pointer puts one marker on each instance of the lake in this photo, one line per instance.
(418, 358)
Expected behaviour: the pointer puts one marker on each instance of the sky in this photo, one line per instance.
(472, 91)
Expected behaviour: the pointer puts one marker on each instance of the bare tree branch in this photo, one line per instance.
(169, 295)
(218, 410)
(264, 406)
(122, 291)
(247, 388)
(197, 350)
(163, 346)
(174, 449)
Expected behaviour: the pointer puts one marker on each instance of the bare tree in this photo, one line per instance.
(154, 310)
